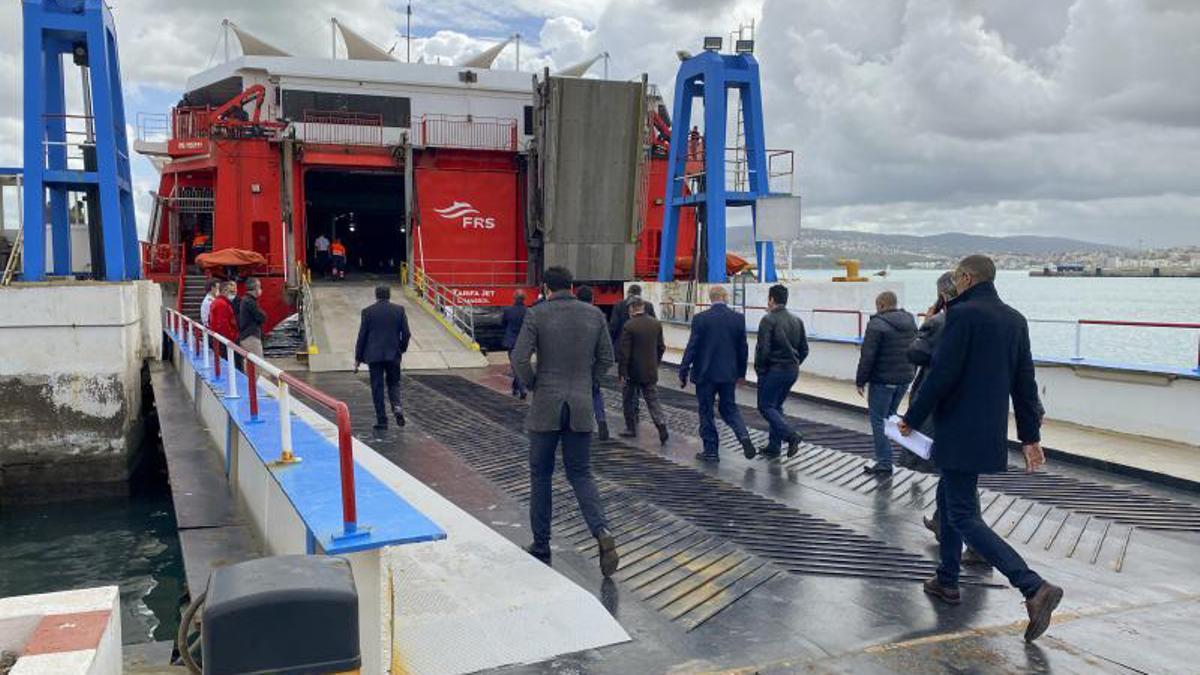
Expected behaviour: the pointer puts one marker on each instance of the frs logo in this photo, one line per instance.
(468, 215)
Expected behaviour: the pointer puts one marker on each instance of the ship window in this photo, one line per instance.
(394, 110)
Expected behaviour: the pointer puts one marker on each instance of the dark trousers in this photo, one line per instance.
(883, 400)
(598, 405)
(707, 393)
(385, 373)
(773, 389)
(517, 386)
(577, 462)
(322, 261)
(961, 522)
(629, 403)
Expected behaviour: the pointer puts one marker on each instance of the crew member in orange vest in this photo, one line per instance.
(338, 251)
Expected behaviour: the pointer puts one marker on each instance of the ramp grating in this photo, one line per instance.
(684, 536)
(1125, 506)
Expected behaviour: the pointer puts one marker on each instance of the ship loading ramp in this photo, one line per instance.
(437, 343)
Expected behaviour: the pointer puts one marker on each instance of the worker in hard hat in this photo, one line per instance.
(338, 252)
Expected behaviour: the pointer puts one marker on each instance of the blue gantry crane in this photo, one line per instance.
(85, 153)
(710, 76)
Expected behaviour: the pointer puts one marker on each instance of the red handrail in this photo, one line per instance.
(286, 382)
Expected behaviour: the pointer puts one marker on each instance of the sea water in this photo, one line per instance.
(1173, 300)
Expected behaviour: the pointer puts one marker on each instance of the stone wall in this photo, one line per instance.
(71, 358)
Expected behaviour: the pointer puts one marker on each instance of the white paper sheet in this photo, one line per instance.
(916, 442)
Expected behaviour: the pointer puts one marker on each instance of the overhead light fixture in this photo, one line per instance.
(744, 47)
(712, 44)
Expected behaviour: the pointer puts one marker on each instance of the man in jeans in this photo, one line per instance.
(639, 351)
(782, 347)
(983, 360)
(883, 365)
(573, 351)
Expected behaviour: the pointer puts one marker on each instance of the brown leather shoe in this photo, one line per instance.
(609, 559)
(948, 595)
(1041, 606)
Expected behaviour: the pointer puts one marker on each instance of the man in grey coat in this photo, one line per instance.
(573, 350)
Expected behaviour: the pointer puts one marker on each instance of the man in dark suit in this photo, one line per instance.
(639, 351)
(715, 359)
(620, 312)
(573, 351)
(983, 359)
(511, 320)
(383, 337)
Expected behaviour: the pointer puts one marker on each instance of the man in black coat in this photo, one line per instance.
(639, 351)
(883, 364)
(383, 337)
(511, 320)
(983, 360)
(716, 358)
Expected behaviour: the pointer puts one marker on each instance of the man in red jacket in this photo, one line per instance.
(221, 317)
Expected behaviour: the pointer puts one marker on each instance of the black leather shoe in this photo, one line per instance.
(399, 419)
(748, 448)
(876, 470)
(794, 445)
(1041, 606)
(540, 552)
(706, 457)
(602, 431)
(627, 433)
(609, 559)
(523, 395)
(380, 426)
(662, 434)
(942, 592)
(769, 452)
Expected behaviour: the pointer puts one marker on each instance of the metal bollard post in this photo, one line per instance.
(285, 426)
(1078, 342)
(232, 368)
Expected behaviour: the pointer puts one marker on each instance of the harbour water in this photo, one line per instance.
(1174, 300)
(127, 541)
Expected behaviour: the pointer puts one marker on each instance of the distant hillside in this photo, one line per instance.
(902, 249)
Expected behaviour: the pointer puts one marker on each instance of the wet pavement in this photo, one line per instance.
(801, 565)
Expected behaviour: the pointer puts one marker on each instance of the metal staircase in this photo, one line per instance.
(191, 295)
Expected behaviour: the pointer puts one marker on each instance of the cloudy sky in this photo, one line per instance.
(1060, 117)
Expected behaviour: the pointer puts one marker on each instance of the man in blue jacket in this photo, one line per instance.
(983, 359)
(716, 358)
(510, 320)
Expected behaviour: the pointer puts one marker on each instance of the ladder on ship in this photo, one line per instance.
(14, 258)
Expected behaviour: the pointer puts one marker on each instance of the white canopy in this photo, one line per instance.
(580, 68)
(253, 45)
(485, 58)
(360, 48)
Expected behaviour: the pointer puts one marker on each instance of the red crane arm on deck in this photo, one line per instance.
(256, 94)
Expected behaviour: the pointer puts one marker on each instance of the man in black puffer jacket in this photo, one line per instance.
(884, 365)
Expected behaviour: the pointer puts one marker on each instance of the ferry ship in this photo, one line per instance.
(459, 184)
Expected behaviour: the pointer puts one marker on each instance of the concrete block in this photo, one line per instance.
(71, 358)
